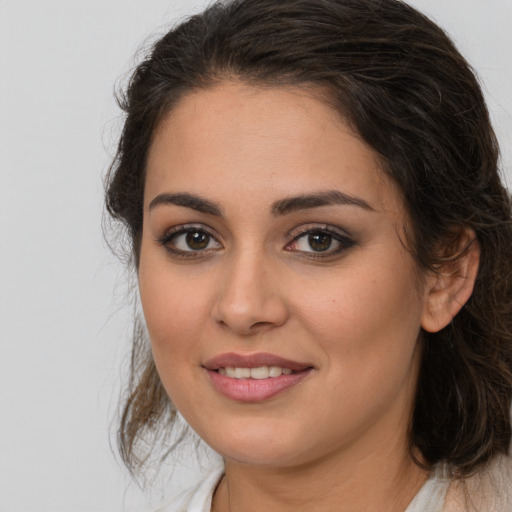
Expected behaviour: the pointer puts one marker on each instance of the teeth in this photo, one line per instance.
(262, 372)
(242, 373)
(275, 371)
(259, 373)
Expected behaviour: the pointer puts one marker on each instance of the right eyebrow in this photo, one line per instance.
(189, 201)
(322, 198)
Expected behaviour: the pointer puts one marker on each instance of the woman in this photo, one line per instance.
(322, 244)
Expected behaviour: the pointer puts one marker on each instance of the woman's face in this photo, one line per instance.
(283, 309)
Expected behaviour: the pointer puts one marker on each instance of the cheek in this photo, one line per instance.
(368, 334)
(173, 307)
(368, 322)
(173, 314)
(172, 319)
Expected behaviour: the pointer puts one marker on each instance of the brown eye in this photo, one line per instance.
(197, 240)
(319, 242)
(189, 240)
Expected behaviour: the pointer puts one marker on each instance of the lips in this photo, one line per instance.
(234, 360)
(254, 377)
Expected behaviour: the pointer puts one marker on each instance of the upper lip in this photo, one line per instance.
(234, 360)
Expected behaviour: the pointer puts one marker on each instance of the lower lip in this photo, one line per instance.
(254, 390)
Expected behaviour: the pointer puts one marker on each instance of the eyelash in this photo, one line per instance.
(343, 240)
(171, 235)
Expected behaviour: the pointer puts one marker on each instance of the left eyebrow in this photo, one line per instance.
(325, 198)
(188, 201)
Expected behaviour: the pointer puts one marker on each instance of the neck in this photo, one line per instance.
(385, 478)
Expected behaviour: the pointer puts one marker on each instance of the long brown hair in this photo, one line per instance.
(404, 87)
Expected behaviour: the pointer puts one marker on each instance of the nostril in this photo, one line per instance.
(247, 310)
(260, 325)
(247, 329)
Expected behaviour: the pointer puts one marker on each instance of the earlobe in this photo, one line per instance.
(450, 288)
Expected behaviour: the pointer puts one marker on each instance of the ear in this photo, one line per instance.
(450, 288)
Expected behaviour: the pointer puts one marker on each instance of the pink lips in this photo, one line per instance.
(254, 390)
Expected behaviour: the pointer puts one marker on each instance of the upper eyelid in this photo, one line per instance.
(183, 228)
(312, 227)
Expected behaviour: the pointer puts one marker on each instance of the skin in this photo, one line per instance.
(354, 312)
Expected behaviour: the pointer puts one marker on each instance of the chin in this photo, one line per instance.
(259, 445)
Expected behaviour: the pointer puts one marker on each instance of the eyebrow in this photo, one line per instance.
(325, 198)
(189, 201)
(278, 208)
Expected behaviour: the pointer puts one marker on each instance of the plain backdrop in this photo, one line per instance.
(64, 332)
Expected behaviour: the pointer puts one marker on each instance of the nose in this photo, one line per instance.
(249, 299)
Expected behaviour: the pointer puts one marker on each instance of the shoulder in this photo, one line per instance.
(489, 490)
(198, 498)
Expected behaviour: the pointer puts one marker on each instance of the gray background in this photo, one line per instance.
(63, 327)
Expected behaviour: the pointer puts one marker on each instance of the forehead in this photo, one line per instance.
(266, 141)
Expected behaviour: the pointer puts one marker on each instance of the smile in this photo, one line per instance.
(254, 377)
(259, 373)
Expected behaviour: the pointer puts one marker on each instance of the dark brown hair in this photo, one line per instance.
(401, 83)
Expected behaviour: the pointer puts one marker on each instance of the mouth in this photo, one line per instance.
(258, 361)
(256, 377)
(258, 373)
